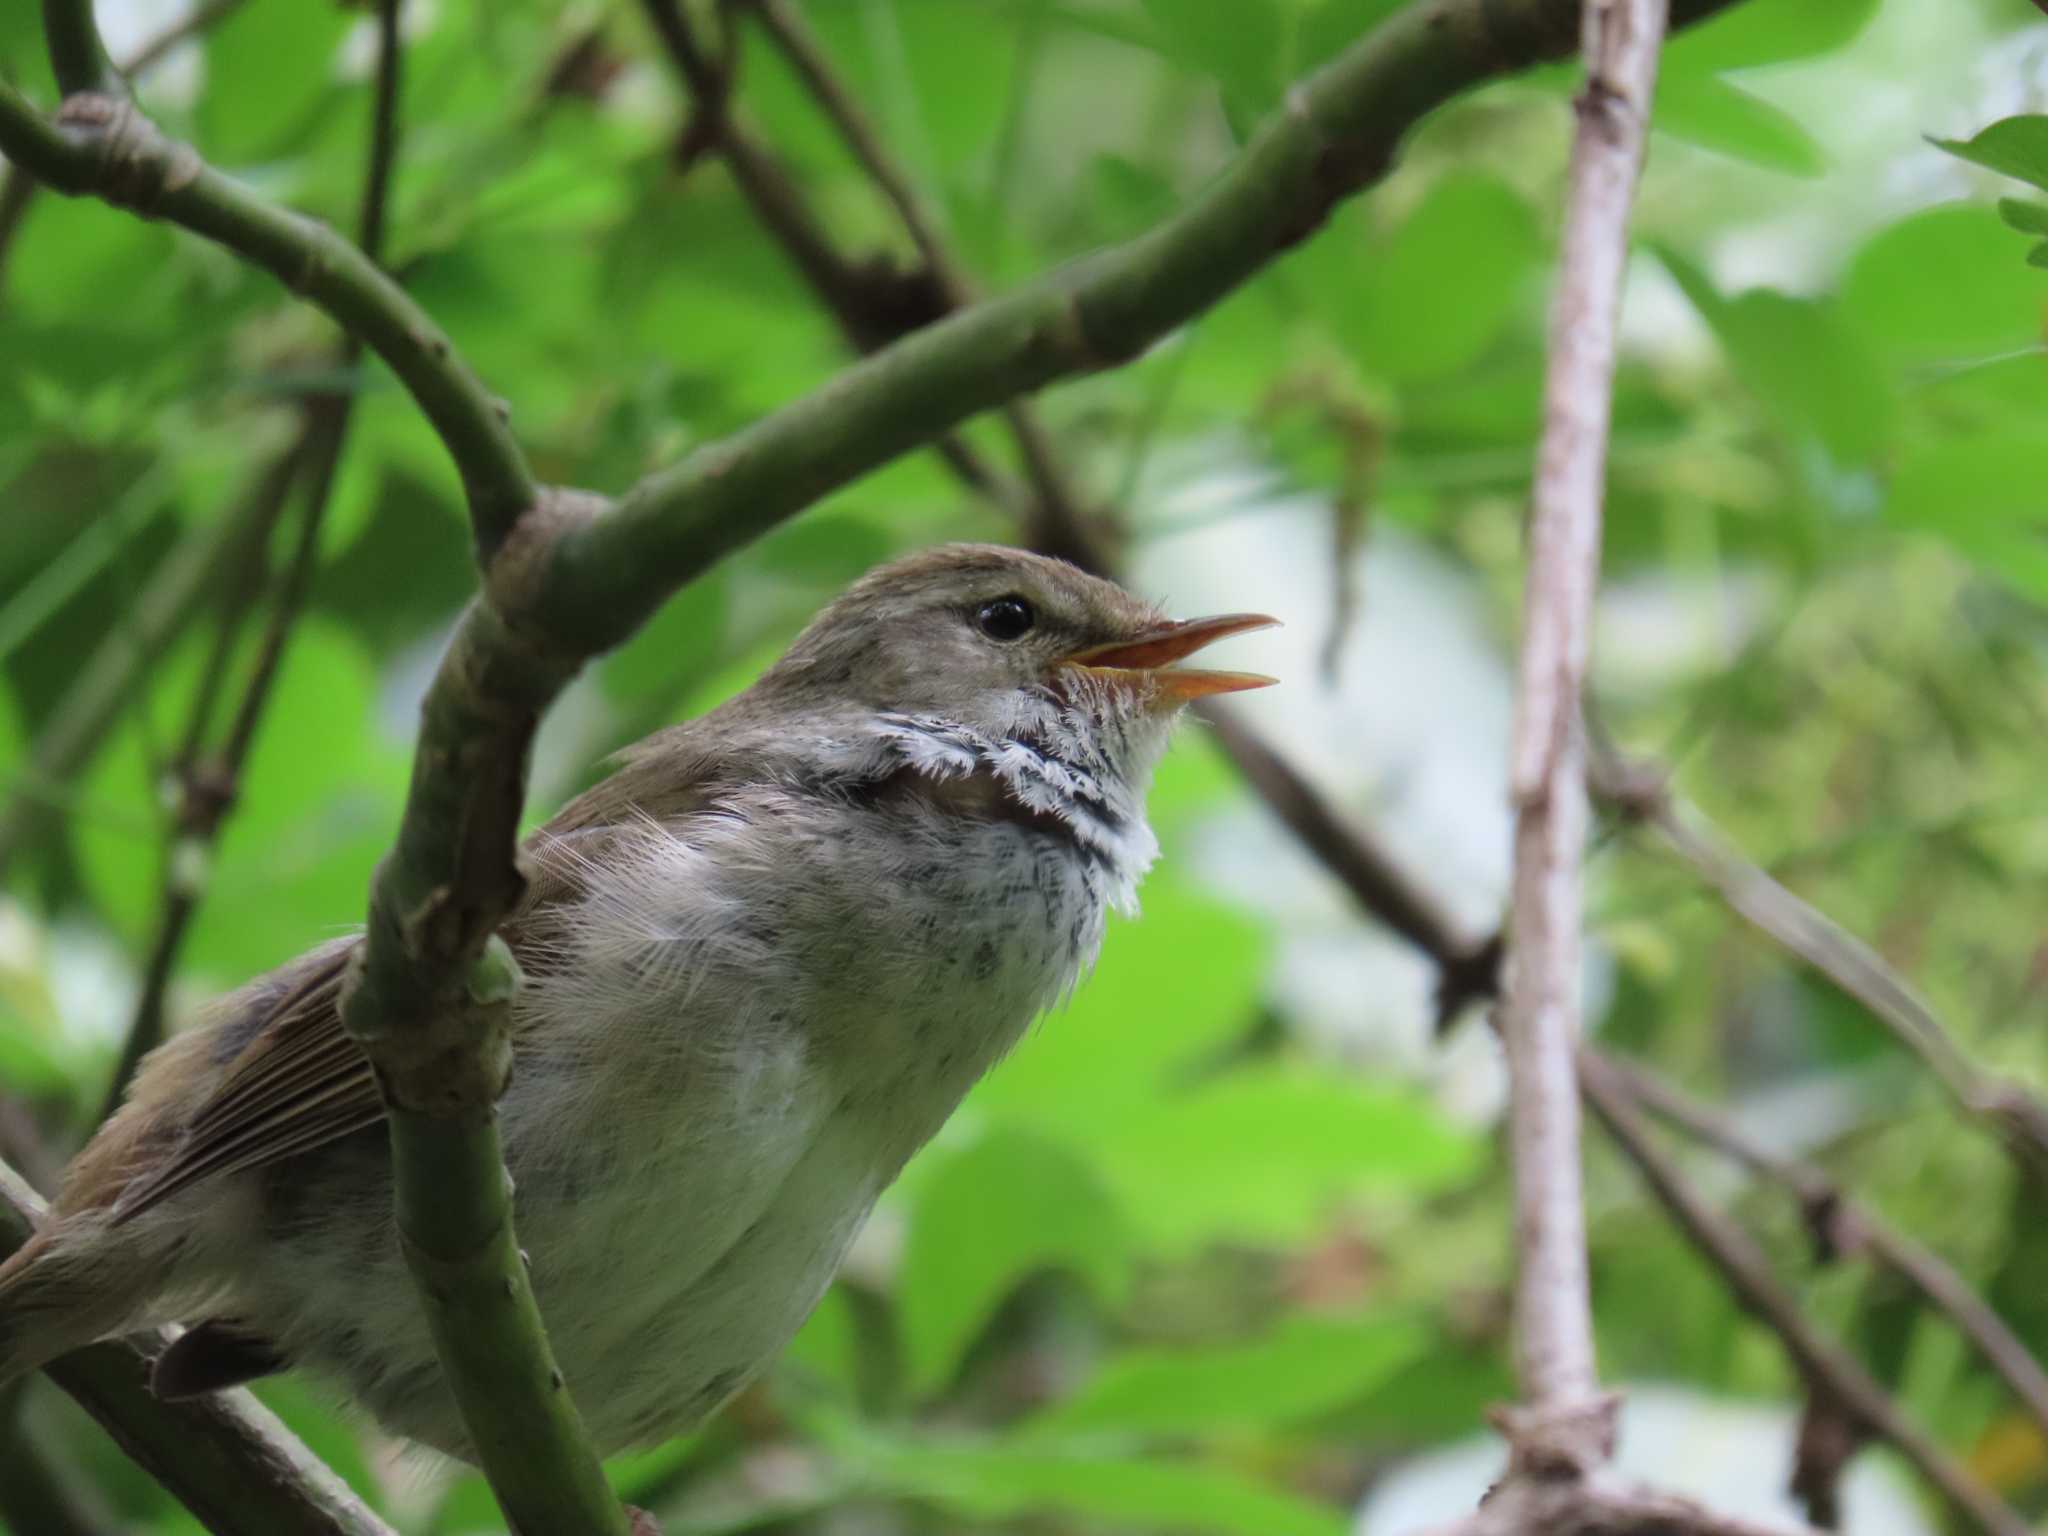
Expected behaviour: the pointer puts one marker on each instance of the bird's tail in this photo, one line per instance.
(60, 1291)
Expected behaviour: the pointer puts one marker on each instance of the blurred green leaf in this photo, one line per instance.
(1706, 110)
(988, 1216)
(1987, 494)
(1765, 32)
(267, 69)
(2028, 217)
(1241, 43)
(1001, 1482)
(2012, 146)
(1812, 374)
(1169, 989)
(1472, 236)
(1306, 1366)
(1941, 286)
(1267, 1153)
(320, 799)
(678, 646)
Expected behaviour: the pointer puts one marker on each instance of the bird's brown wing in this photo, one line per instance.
(298, 1081)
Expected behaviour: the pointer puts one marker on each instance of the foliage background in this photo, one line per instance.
(1225, 1246)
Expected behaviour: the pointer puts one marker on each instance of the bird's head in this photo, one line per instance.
(994, 639)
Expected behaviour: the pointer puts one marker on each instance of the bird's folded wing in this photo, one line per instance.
(301, 1081)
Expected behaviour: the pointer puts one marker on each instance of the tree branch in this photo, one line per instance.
(76, 57)
(208, 790)
(17, 187)
(428, 993)
(1337, 134)
(1468, 970)
(2006, 1106)
(101, 145)
(107, 680)
(1841, 1225)
(1828, 1371)
(224, 1457)
(1540, 1014)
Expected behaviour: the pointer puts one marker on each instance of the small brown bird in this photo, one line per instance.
(765, 959)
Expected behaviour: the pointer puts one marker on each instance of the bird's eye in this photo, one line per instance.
(1007, 618)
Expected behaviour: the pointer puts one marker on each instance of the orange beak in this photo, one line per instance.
(1150, 657)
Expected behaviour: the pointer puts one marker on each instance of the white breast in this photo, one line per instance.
(764, 1015)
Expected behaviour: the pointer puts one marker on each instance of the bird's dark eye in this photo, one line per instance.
(1007, 618)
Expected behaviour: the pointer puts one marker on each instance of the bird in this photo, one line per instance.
(763, 961)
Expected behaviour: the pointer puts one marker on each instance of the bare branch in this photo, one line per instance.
(101, 145)
(208, 790)
(2007, 1107)
(108, 678)
(77, 58)
(1468, 970)
(1540, 1016)
(1599, 1505)
(224, 1457)
(1842, 1225)
(1829, 1371)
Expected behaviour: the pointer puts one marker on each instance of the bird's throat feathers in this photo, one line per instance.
(1077, 766)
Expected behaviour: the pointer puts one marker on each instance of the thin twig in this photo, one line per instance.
(100, 145)
(18, 188)
(1468, 970)
(224, 1457)
(210, 787)
(77, 57)
(1824, 1366)
(36, 1497)
(1843, 1225)
(1057, 525)
(1540, 1013)
(2008, 1107)
(427, 996)
(109, 677)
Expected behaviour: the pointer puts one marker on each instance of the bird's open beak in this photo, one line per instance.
(1149, 658)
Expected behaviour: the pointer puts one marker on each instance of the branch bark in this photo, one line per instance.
(208, 790)
(1564, 1414)
(2005, 1106)
(99, 144)
(224, 1457)
(1842, 1225)
(1829, 1372)
(107, 680)
(565, 578)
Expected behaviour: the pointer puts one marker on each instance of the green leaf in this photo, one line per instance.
(1001, 1482)
(1263, 1154)
(1987, 494)
(320, 799)
(1765, 32)
(1241, 43)
(2012, 146)
(826, 1346)
(1169, 989)
(680, 644)
(1307, 1366)
(2028, 217)
(267, 69)
(1813, 375)
(1433, 298)
(987, 1217)
(1942, 286)
(1708, 111)
(1334, 25)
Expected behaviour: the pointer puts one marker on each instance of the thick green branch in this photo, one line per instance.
(102, 146)
(76, 57)
(1337, 133)
(224, 1457)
